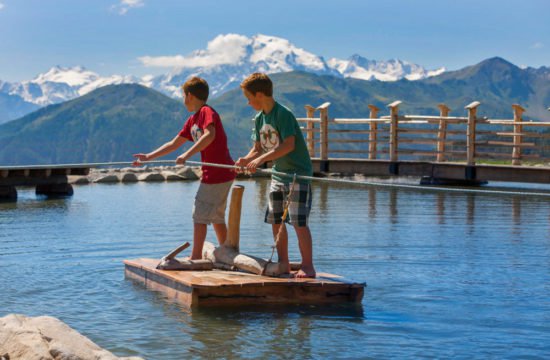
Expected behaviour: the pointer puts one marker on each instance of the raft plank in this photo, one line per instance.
(218, 287)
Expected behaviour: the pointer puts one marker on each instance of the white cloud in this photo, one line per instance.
(223, 49)
(537, 45)
(125, 5)
(1, 6)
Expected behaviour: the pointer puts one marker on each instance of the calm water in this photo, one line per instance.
(449, 275)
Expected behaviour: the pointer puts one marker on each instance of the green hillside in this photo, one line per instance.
(108, 124)
(113, 122)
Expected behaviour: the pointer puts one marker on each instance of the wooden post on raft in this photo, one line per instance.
(234, 218)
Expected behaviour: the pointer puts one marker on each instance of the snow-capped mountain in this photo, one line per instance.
(61, 84)
(392, 70)
(229, 58)
(225, 62)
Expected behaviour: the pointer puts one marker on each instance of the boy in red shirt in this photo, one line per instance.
(205, 129)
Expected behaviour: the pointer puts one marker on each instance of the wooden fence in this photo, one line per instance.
(440, 138)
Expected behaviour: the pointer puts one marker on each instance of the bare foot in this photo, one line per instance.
(305, 273)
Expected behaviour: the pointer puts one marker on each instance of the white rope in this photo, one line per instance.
(301, 177)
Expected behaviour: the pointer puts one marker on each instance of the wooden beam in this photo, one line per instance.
(234, 218)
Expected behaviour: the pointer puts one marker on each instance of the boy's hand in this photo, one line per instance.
(241, 163)
(254, 164)
(139, 158)
(180, 160)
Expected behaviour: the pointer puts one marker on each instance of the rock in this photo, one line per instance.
(47, 338)
(171, 176)
(151, 177)
(131, 170)
(188, 173)
(111, 178)
(128, 177)
(78, 180)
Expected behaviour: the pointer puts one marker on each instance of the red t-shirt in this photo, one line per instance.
(217, 152)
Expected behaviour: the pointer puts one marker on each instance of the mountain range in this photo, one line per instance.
(115, 121)
(226, 61)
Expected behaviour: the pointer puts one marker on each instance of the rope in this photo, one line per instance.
(300, 177)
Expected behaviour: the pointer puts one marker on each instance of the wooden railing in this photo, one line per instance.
(440, 138)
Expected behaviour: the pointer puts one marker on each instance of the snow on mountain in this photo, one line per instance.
(392, 70)
(225, 62)
(61, 84)
(228, 59)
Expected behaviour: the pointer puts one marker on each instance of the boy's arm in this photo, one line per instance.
(284, 148)
(205, 140)
(167, 148)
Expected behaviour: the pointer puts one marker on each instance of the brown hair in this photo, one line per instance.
(196, 86)
(258, 82)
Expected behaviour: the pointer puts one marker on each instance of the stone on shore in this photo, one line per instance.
(47, 338)
(128, 177)
(189, 173)
(78, 179)
(171, 176)
(151, 177)
(111, 178)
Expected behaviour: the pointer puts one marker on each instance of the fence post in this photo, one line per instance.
(373, 127)
(518, 128)
(471, 133)
(323, 110)
(310, 126)
(394, 117)
(442, 132)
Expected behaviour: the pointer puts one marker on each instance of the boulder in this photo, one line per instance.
(188, 173)
(128, 177)
(78, 179)
(110, 178)
(47, 338)
(171, 176)
(151, 177)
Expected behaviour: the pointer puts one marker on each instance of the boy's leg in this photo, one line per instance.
(299, 209)
(282, 245)
(305, 243)
(210, 204)
(199, 235)
(221, 232)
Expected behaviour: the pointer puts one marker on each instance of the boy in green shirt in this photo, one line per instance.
(278, 138)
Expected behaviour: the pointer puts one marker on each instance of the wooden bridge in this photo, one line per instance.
(49, 180)
(441, 149)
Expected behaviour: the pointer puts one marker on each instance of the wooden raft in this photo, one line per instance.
(194, 288)
(219, 287)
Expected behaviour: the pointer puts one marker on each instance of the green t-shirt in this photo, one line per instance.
(271, 130)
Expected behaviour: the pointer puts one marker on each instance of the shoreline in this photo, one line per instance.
(145, 173)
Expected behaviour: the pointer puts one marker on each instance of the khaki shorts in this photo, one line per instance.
(210, 203)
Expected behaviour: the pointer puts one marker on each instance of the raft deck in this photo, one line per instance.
(219, 287)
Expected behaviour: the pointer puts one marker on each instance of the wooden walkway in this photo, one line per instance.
(435, 170)
(220, 288)
(49, 180)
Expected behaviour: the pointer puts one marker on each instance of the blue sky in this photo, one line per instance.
(110, 36)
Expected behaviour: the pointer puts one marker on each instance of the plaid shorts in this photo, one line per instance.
(298, 209)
